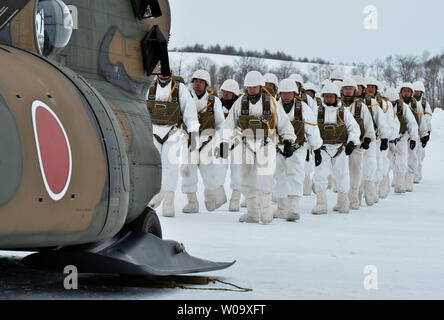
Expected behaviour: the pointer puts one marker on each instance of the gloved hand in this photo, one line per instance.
(384, 144)
(350, 147)
(412, 144)
(307, 158)
(288, 149)
(223, 150)
(192, 141)
(318, 157)
(425, 140)
(366, 144)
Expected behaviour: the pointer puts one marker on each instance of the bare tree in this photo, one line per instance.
(285, 70)
(405, 66)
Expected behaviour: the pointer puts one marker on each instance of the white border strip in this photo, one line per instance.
(60, 195)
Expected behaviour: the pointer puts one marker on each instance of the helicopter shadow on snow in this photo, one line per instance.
(18, 282)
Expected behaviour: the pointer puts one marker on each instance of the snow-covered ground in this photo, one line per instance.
(317, 258)
(186, 60)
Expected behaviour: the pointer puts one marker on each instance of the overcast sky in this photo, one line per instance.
(332, 30)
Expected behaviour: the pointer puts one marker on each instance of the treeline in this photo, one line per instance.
(391, 71)
(232, 51)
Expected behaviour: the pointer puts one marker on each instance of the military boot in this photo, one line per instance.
(193, 205)
(210, 199)
(307, 185)
(168, 205)
(399, 182)
(369, 193)
(408, 183)
(265, 203)
(353, 195)
(252, 215)
(343, 204)
(235, 201)
(221, 197)
(321, 204)
(281, 211)
(293, 208)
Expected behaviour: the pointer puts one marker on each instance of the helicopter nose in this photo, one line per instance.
(11, 157)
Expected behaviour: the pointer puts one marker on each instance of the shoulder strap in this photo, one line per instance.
(245, 106)
(266, 105)
(319, 101)
(368, 100)
(341, 115)
(424, 103)
(211, 101)
(152, 92)
(358, 107)
(297, 110)
(321, 114)
(175, 95)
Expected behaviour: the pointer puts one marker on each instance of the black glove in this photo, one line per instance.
(366, 144)
(412, 144)
(288, 149)
(223, 150)
(384, 144)
(350, 147)
(192, 141)
(425, 140)
(318, 157)
(307, 158)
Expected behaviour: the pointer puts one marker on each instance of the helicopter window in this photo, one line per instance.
(53, 26)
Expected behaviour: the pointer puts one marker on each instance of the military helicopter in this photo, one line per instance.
(78, 164)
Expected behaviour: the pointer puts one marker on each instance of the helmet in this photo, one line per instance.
(392, 94)
(332, 89)
(325, 82)
(337, 74)
(360, 81)
(310, 87)
(418, 86)
(297, 78)
(288, 85)
(231, 85)
(338, 84)
(254, 79)
(270, 77)
(349, 82)
(406, 85)
(372, 82)
(203, 75)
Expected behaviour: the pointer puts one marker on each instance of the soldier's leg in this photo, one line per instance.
(412, 167)
(296, 175)
(281, 187)
(369, 173)
(355, 167)
(171, 157)
(320, 181)
(342, 177)
(400, 164)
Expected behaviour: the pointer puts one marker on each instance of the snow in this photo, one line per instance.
(320, 257)
(188, 59)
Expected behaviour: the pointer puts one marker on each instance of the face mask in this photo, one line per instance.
(164, 82)
(335, 104)
(255, 98)
(228, 103)
(287, 106)
(348, 100)
(407, 100)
